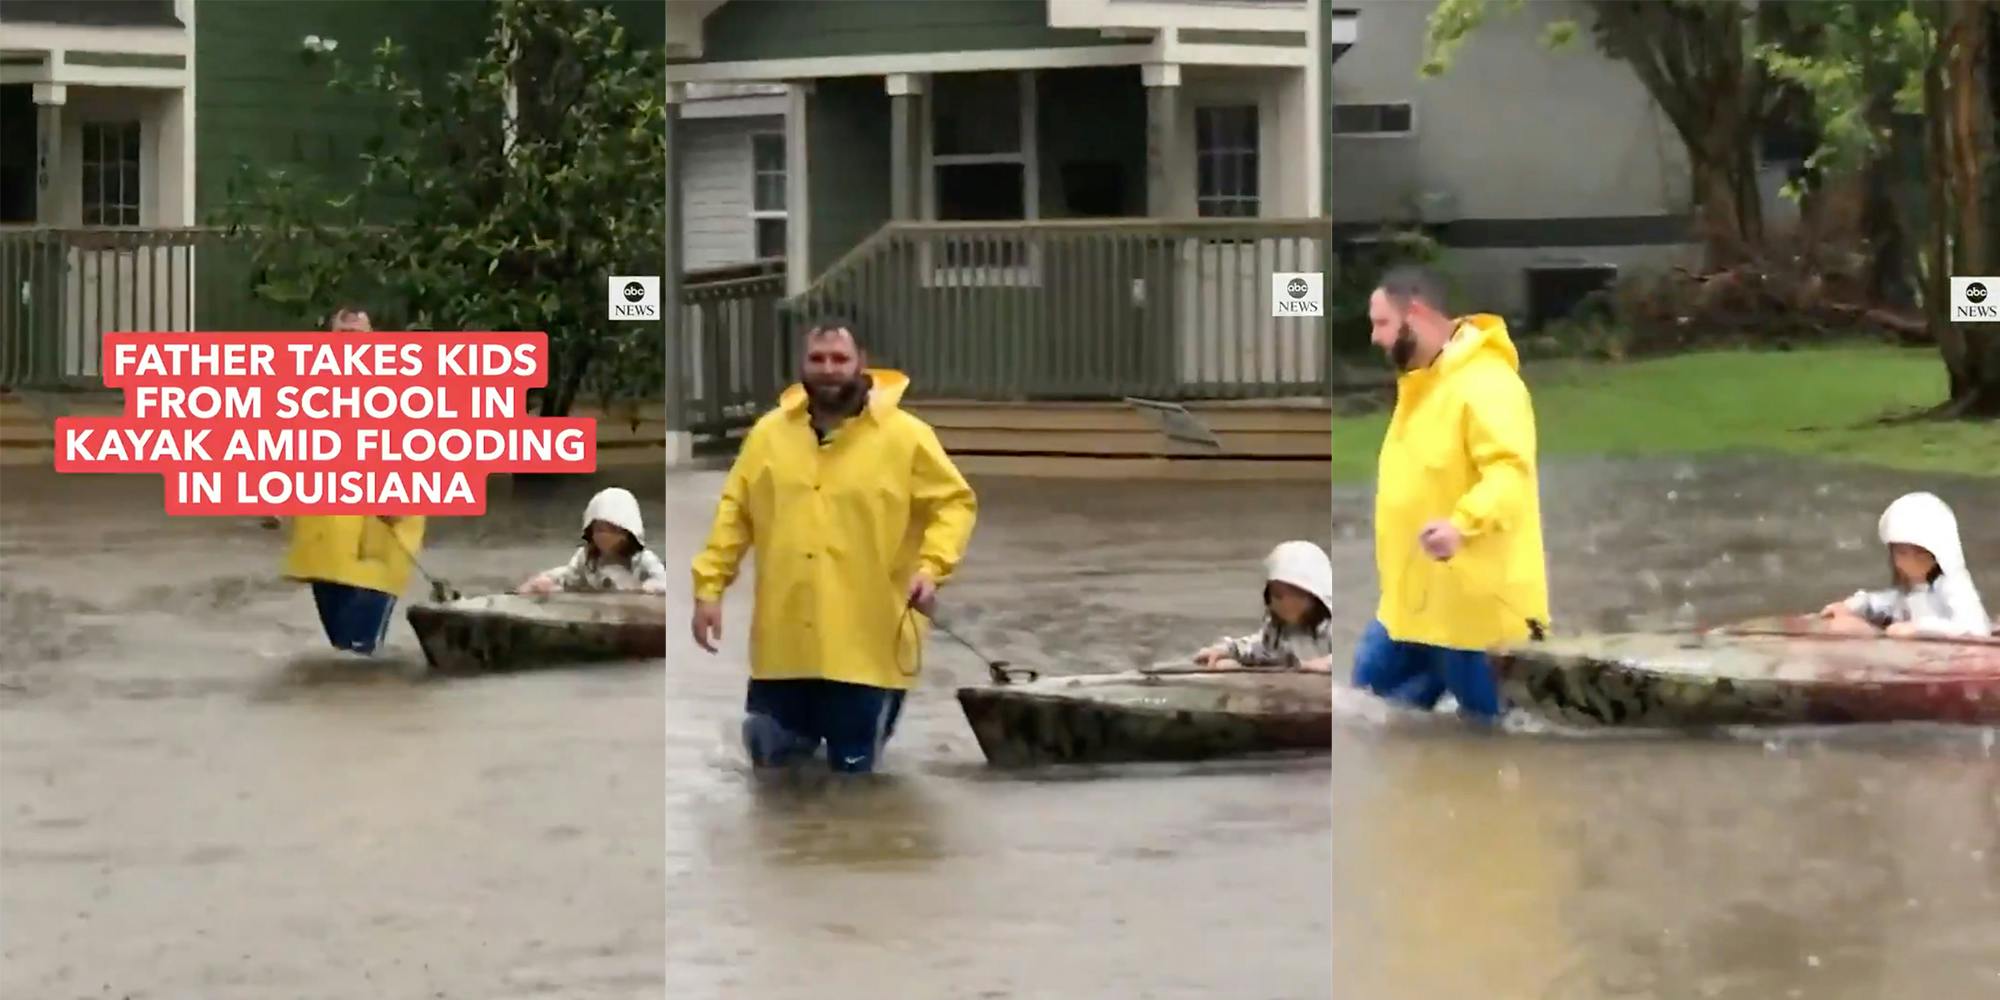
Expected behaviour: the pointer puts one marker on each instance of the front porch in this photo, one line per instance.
(1095, 216)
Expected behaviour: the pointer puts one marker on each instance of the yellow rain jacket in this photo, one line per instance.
(357, 550)
(839, 529)
(1461, 445)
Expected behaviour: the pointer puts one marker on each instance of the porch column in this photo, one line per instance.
(906, 132)
(680, 442)
(49, 101)
(1163, 107)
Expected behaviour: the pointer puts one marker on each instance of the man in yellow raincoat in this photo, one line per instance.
(357, 565)
(1458, 523)
(857, 515)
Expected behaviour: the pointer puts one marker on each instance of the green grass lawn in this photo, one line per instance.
(1822, 403)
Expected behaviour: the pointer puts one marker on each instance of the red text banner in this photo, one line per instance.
(386, 424)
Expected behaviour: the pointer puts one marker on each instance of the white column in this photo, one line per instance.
(1163, 108)
(680, 441)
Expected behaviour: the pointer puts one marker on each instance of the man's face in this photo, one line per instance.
(832, 368)
(1389, 328)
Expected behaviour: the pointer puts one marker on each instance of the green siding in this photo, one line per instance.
(256, 100)
(804, 29)
(847, 149)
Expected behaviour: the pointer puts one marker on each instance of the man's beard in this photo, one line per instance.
(1404, 350)
(837, 397)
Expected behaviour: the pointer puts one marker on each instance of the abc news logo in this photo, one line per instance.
(633, 297)
(1975, 300)
(1298, 293)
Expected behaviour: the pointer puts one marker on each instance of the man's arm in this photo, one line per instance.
(716, 565)
(1500, 440)
(948, 503)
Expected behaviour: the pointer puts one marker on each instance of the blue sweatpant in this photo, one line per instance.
(786, 721)
(356, 619)
(1416, 674)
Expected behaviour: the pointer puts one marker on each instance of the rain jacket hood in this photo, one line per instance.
(840, 523)
(1948, 605)
(618, 507)
(1923, 520)
(1303, 565)
(1461, 447)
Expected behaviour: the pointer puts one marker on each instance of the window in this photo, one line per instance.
(1226, 162)
(111, 173)
(1397, 118)
(767, 193)
(982, 131)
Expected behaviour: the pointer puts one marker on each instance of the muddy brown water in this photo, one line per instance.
(196, 802)
(1823, 864)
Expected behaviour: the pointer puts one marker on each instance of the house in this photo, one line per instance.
(733, 183)
(1021, 199)
(125, 122)
(1542, 173)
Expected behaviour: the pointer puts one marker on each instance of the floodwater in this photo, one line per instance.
(941, 879)
(199, 801)
(1828, 864)
(196, 802)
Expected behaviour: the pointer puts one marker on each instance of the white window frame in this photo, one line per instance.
(1029, 273)
(1256, 151)
(1406, 133)
(758, 214)
(84, 158)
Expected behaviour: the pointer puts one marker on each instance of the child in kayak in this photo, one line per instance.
(1298, 609)
(613, 555)
(1933, 594)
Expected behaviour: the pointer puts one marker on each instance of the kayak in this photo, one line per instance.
(1165, 715)
(505, 632)
(1767, 672)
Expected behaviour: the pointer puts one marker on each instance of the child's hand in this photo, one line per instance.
(1208, 656)
(1901, 630)
(653, 587)
(1318, 665)
(537, 585)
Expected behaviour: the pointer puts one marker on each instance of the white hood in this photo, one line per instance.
(1303, 565)
(1924, 520)
(615, 506)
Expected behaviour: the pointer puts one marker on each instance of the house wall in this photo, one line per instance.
(255, 101)
(1284, 132)
(847, 148)
(1090, 115)
(798, 29)
(1543, 156)
(716, 189)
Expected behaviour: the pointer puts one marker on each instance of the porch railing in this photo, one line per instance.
(62, 289)
(1084, 309)
(737, 358)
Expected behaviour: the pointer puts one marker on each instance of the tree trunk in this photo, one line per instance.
(1964, 150)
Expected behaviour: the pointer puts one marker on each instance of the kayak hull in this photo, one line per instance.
(501, 633)
(1138, 716)
(1766, 673)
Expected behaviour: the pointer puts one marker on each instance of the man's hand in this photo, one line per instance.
(707, 624)
(1440, 540)
(923, 593)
